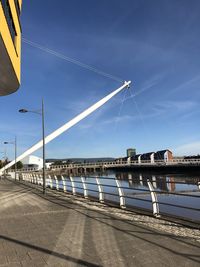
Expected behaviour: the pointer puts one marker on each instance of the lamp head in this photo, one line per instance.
(23, 110)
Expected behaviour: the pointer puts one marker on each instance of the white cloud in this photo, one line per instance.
(187, 84)
(176, 106)
(118, 119)
(188, 149)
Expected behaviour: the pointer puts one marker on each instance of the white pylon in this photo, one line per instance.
(67, 125)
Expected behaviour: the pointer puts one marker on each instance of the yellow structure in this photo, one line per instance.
(10, 46)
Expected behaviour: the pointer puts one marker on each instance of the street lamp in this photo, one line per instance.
(15, 144)
(40, 112)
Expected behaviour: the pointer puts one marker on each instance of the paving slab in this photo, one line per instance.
(63, 230)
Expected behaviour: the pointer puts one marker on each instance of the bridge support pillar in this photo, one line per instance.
(141, 179)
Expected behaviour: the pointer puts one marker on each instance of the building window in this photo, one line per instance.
(17, 7)
(9, 19)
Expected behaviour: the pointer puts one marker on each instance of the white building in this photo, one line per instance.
(32, 162)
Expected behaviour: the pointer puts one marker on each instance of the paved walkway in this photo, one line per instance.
(62, 230)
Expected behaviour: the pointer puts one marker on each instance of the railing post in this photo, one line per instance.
(47, 181)
(153, 199)
(28, 177)
(73, 185)
(100, 188)
(50, 182)
(31, 178)
(84, 187)
(121, 194)
(57, 185)
(64, 184)
(199, 185)
(40, 179)
(37, 178)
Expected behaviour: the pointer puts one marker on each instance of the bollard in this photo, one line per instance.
(64, 184)
(73, 185)
(121, 194)
(153, 199)
(100, 188)
(84, 187)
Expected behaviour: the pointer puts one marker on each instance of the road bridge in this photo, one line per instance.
(145, 164)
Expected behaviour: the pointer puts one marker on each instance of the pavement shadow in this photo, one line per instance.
(49, 252)
(100, 216)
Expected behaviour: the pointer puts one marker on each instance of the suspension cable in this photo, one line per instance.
(71, 60)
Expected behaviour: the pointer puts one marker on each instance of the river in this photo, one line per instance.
(180, 190)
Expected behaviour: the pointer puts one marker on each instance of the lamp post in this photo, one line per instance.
(40, 112)
(4, 157)
(15, 144)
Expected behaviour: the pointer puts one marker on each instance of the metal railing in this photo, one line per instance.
(111, 190)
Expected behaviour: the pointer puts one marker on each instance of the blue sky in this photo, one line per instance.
(155, 44)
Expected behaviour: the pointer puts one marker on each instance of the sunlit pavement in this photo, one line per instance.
(57, 230)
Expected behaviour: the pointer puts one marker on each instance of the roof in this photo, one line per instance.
(163, 151)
